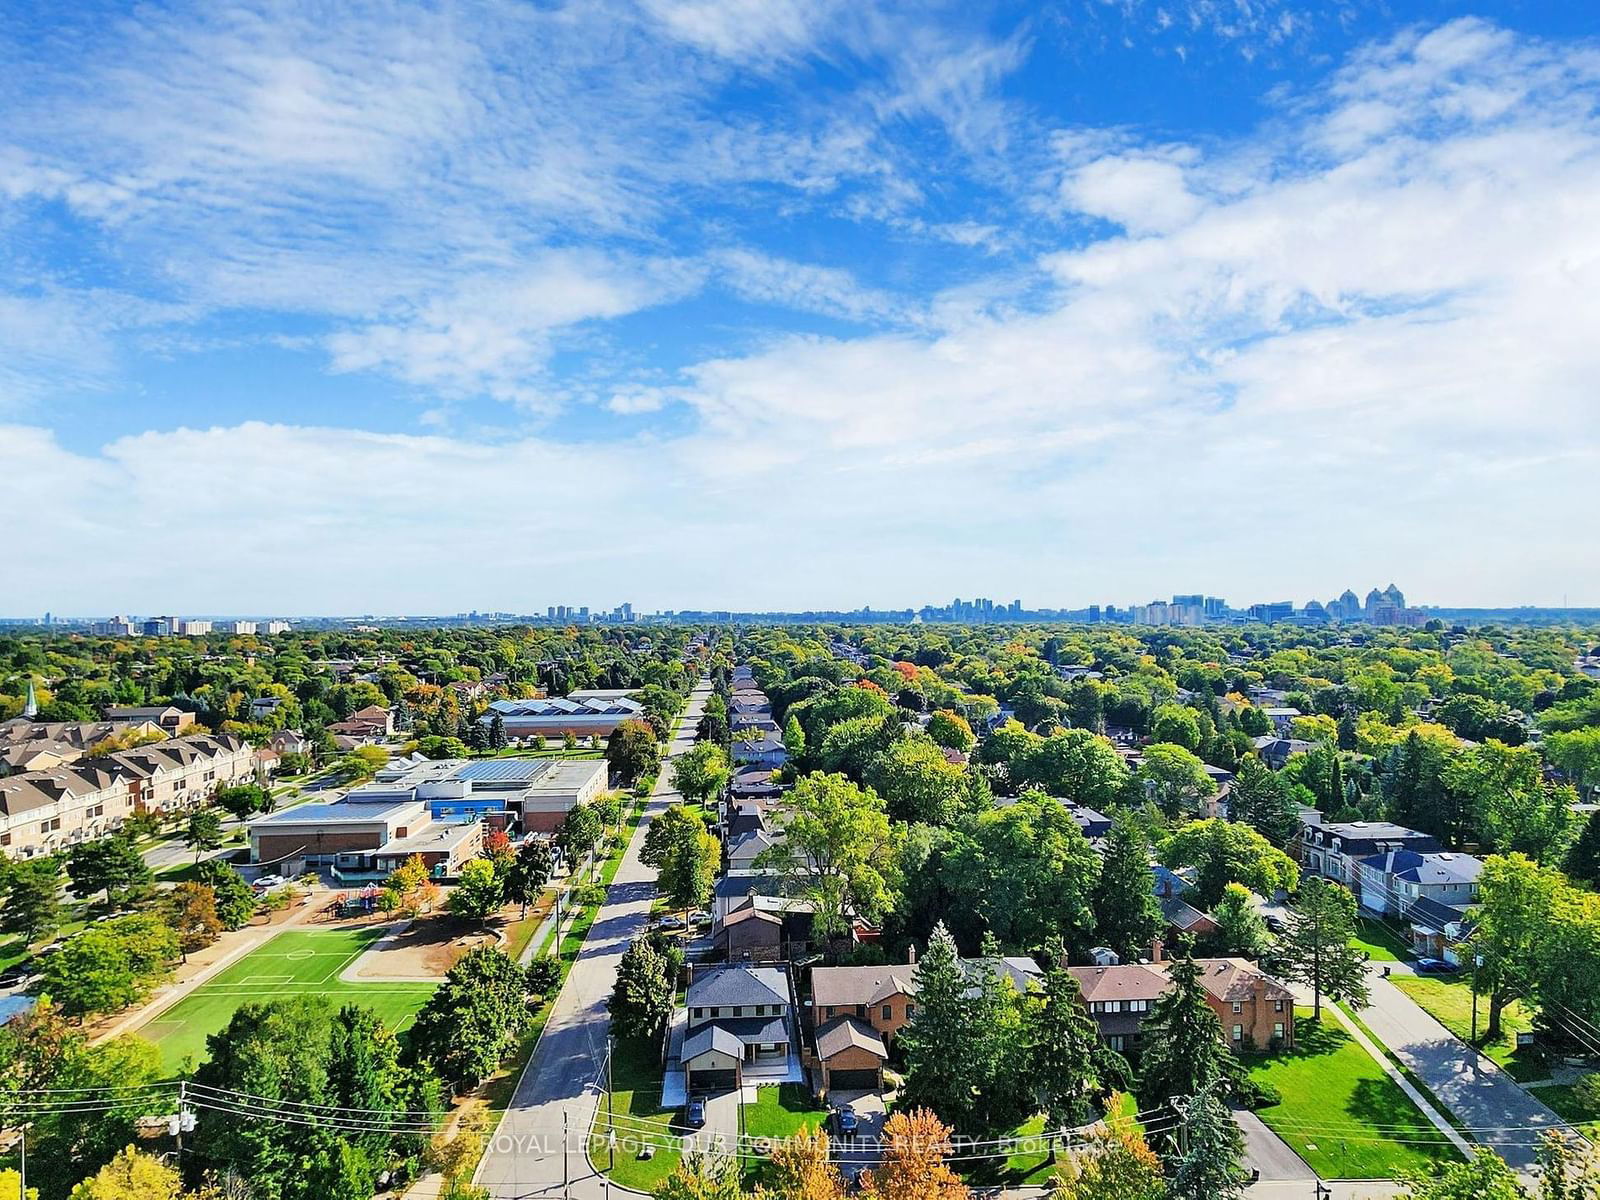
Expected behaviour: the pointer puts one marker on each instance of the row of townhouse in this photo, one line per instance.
(45, 811)
(1397, 872)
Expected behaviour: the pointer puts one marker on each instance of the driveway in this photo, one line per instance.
(1268, 1153)
(539, 1146)
(1480, 1095)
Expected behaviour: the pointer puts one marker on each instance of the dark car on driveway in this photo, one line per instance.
(845, 1122)
(696, 1114)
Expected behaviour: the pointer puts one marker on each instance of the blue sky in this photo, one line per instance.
(773, 304)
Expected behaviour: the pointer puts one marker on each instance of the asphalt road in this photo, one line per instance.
(1479, 1094)
(1266, 1152)
(561, 1087)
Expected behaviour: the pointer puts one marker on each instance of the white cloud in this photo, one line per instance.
(1357, 344)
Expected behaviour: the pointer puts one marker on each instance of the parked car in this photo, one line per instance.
(670, 923)
(267, 882)
(1434, 966)
(700, 919)
(845, 1121)
(696, 1114)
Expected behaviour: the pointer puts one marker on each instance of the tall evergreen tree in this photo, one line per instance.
(1128, 916)
(1208, 1166)
(1258, 798)
(1317, 944)
(1182, 1051)
(1062, 1042)
(965, 1051)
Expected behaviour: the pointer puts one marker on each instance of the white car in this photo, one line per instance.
(267, 882)
(700, 919)
(670, 923)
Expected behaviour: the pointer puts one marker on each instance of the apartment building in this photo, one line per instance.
(45, 811)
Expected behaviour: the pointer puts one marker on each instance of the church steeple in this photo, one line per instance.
(30, 710)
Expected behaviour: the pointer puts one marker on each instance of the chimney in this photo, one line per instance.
(1155, 951)
(911, 955)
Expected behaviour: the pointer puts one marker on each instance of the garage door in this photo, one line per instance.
(852, 1081)
(712, 1081)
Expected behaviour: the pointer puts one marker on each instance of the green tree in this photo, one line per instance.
(1174, 779)
(950, 730)
(702, 772)
(1240, 928)
(1258, 798)
(478, 892)
(302, 1054)
(1076, 765)
(1583, 859)
(32, 905)
(689, 869)
(1511, 804)
(632, 751)
(530, 872)
(1208, 1168)
(112, 865)
(1577, 754)
(835, 851)
(244, 800)
(675, 825)
(700, 1177)
(965, 1049)
(1224, 852)
(794, 738)
(235, 899)
(131, 1175)
(111, 964)
(1484, 1176)
(1316, 945)
(1062, 1045)
(1177, 725)
(580, 832)
(917, 782)
(641, 1001)
(1128, 915)
(1182, 1053)
(1034, 874)
(472, 1021)
(203, 832)
(1517, 904)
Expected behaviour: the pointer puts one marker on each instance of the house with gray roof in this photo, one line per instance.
(740, 1024)
(1393, 881)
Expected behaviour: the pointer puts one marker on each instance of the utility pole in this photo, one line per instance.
(611, 1129)
(566, 1178)
(1477, 961)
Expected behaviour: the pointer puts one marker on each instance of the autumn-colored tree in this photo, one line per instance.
(801, 1170)
(131, 1175)
(1116, 1165)
(193, 911)
(915, 1146)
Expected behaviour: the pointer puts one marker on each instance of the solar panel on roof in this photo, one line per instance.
(503, 770)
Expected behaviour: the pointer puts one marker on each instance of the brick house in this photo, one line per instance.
(1255, 1010)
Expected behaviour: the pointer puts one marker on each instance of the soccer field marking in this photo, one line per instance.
(250, 981)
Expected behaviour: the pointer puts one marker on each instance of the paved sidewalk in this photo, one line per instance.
(559, 1092)
(1481, 1095)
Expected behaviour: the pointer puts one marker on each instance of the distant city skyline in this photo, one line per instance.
(1380, 606)
(782, 304)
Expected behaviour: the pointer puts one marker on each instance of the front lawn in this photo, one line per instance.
(1381, 943)
(1449, 1002)
(781, 1111)
(639, 1119)
(1562, 1099)
(1340, 1112)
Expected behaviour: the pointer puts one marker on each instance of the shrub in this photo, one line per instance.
(1255, 1093)
(544, 974)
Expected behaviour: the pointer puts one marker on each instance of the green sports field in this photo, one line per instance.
(295, 963)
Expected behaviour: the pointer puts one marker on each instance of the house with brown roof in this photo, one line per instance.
(1255, 1010)
(856, 1014)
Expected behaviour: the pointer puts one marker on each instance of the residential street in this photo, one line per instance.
(561, 1087)
(1479, 1094)
(1268, 1153)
